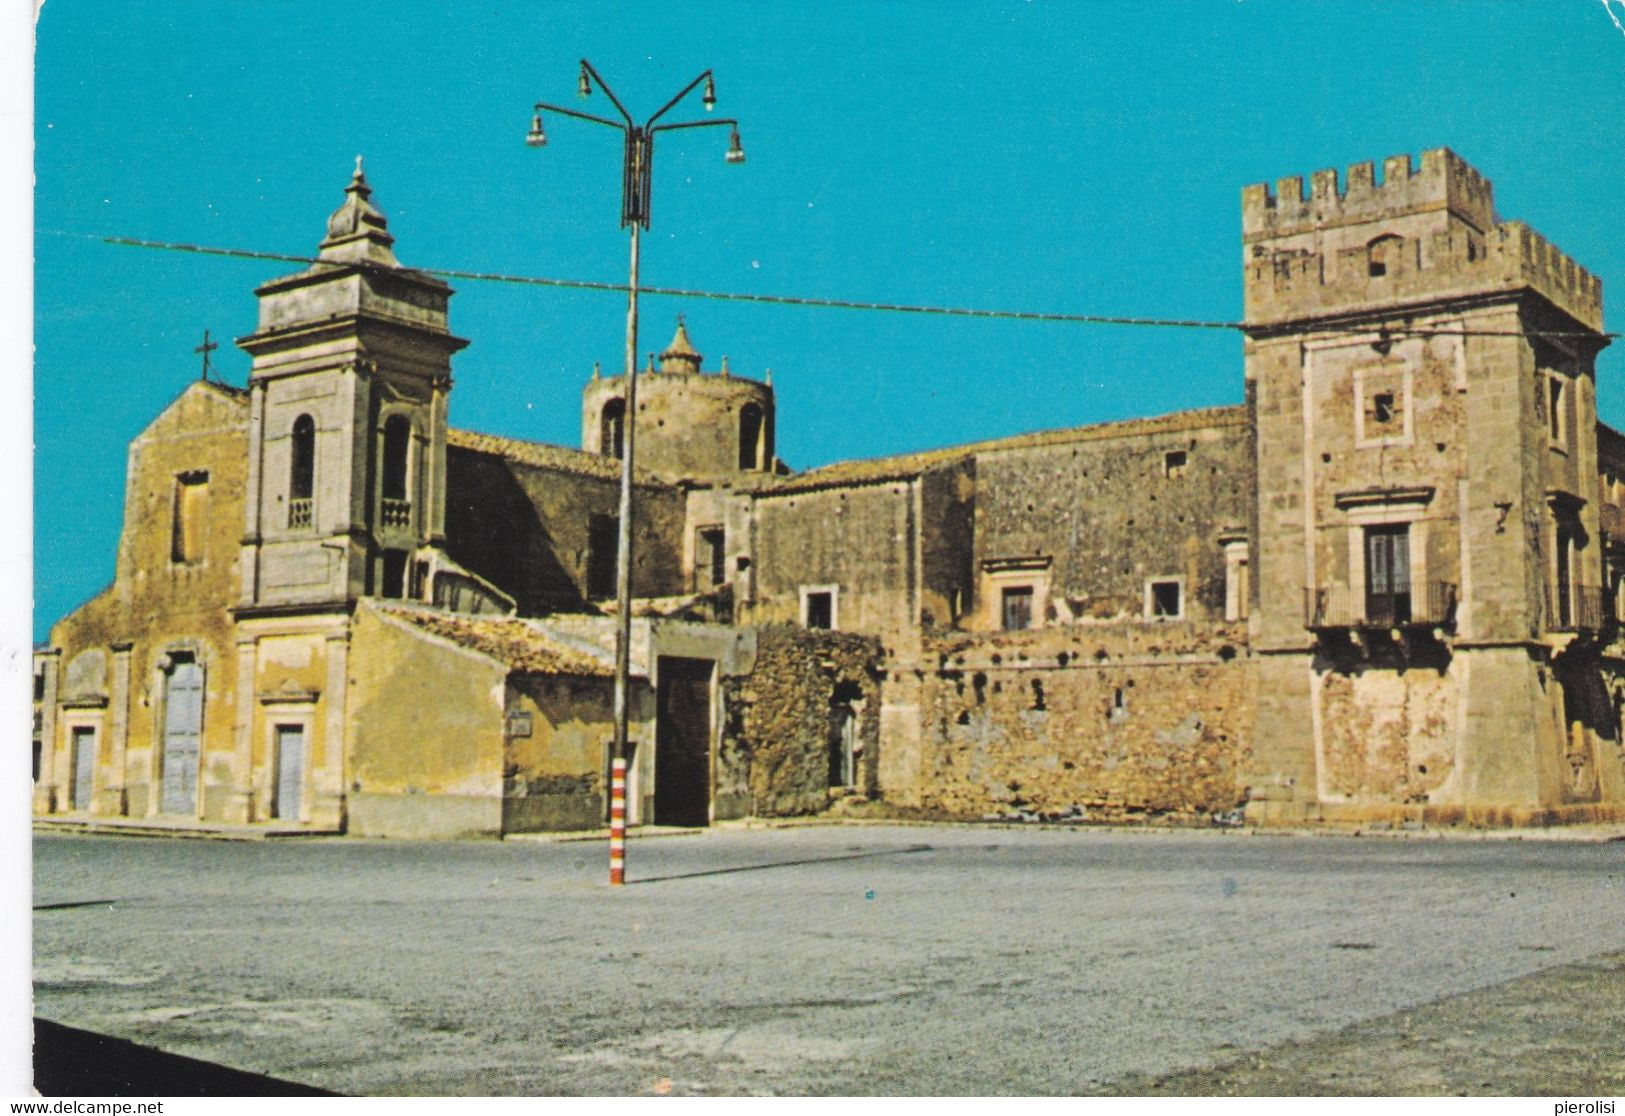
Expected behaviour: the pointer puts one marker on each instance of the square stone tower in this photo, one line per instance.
(1430, 605)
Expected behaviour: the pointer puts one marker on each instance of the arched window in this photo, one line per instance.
(397, 443)
(612, 429)
(302, 471)
(750, 436)
(1382, 254)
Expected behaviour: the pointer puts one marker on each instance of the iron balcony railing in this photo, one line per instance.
(396, 513)
(1430, 604)
(1587, 608)
(299, 512)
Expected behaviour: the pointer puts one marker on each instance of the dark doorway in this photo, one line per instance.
(683, 742)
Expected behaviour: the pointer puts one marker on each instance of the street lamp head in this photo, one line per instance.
(736, 153)
(536, 137)
(584, 85)
(709, 100)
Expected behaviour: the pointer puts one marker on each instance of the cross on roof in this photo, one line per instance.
(206, 348)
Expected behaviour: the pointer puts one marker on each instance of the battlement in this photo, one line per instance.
(1413, 239)
(1444, 182)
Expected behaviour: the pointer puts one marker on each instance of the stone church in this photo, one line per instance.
(1383, 589)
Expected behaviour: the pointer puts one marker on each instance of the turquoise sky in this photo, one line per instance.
(1082, 157)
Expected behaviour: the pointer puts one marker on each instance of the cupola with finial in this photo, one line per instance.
(680, 356)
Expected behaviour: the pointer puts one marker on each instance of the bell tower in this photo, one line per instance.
(347, 426)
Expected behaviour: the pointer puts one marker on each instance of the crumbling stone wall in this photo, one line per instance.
(1102, 721)
(780, 719)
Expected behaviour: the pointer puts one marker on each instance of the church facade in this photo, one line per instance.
(1382, 589)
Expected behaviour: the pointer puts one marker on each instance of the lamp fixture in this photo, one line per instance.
(736, 153)
(709, 100)
(536, 137)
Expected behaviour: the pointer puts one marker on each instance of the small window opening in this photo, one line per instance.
(1017, 612)
(191, 516)
(1038, 696)
(713, 554)
(750, 437)
(1173, 464)
(612, 429)
(1554, 410)
(39, 686)
(820, 609)
(1382, 406)
(1165, 600)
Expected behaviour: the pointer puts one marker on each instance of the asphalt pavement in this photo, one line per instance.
(809, 960)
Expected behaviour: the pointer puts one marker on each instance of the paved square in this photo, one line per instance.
(840, 959)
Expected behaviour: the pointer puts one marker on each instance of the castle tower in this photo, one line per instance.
(1429, 574)
(691, 425)
(351, 369)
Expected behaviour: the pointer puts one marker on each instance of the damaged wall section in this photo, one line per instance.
(804, 721)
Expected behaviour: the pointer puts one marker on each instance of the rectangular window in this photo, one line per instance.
(603, 540)
(1164, 600)
(1382, 407)
(818, 609)
(1556, 410)
(1017, 608)
(1565, 578)
(1173, 464)
(1388, 575)
(191, 518)
(711, 556)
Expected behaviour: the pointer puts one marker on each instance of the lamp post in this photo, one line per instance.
(635, 182)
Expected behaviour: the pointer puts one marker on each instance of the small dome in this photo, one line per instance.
(680, 356)
(357, 230)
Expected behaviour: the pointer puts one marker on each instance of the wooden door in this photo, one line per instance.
(290, 772)
(683, 742)
(183, 721)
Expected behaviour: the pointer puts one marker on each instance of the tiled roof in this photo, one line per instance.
(908, 465)
(543, 456)
(514, 642)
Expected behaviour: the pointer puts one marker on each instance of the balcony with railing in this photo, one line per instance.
(395, 513)
(1584, 608)
(1431, 604)
(301, 512)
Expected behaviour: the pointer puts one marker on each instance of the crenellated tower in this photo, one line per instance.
(351, 370)
(1429, 574)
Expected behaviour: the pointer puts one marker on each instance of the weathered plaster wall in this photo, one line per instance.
(423, 768)
(554, 777)
(156, 606)
(781, 718)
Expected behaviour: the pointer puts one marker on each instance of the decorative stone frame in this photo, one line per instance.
(278, 709)
(1371, 381)
(163, 663)
(999, 574)
(834, 592)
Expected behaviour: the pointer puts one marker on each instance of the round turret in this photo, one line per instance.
(691, 424)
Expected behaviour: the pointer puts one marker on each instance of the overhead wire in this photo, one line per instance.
(806, 301)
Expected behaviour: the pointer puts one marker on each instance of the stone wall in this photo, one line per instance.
(1115, 505)
(1098, 721)
(781, 719)
(526, 528)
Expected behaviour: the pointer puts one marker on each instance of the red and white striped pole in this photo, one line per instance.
(617, 822)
